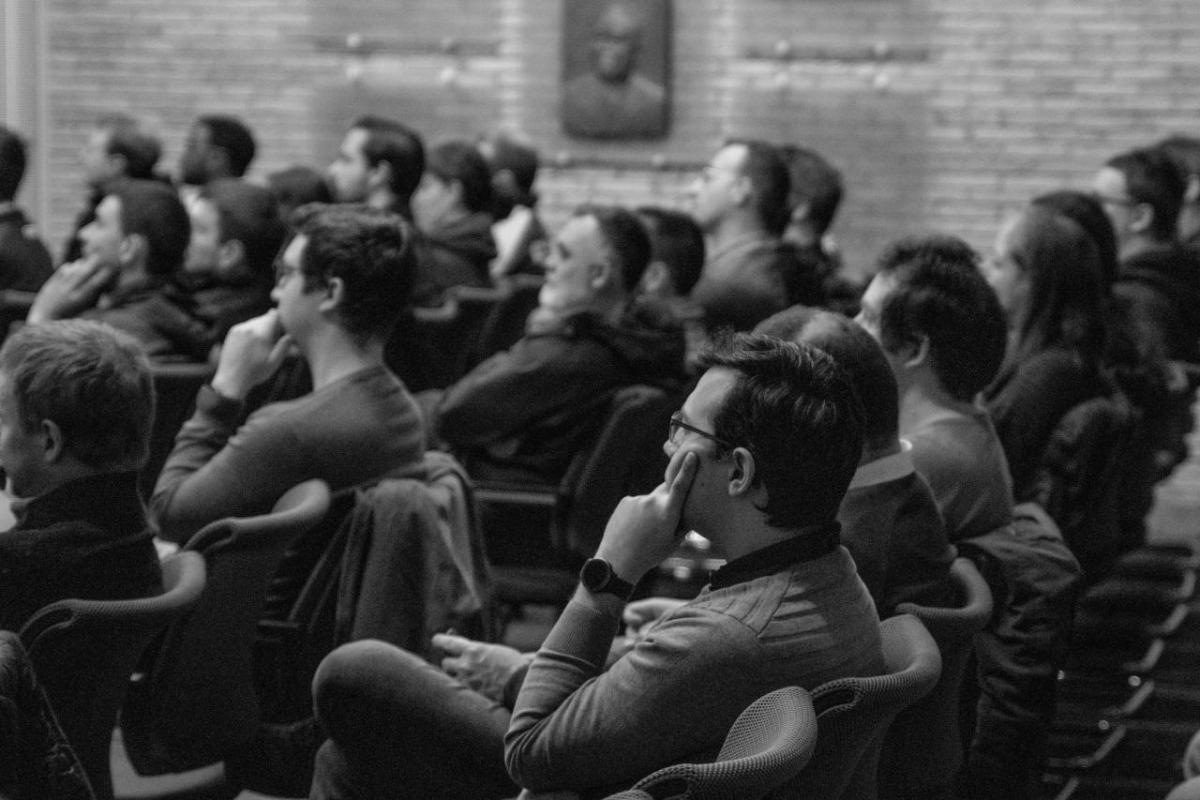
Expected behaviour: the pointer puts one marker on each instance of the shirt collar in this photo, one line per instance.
(810, 543)
(882, 470)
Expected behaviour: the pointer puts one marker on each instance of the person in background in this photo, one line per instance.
(24, 261)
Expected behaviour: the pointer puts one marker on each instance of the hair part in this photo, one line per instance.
(794, 409)
(90, 380)
(940, 296)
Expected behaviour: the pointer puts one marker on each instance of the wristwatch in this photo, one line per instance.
(597, 577)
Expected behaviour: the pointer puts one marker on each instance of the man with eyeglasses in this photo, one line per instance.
(761, 454)
(341, 282)
(740, 201)
(524, 413)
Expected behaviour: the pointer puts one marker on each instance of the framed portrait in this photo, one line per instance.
(616, 69)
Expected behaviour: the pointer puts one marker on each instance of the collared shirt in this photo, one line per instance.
(810, 543)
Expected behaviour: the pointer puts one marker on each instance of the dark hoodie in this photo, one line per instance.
(1161, 290)
(525, 412)
(456, 254)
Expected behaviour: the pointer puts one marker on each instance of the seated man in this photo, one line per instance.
(450, 208)
(890, 521)
(76, 402)
(236, 234)
(24, 260)
(342, 280)
(132, 252)
(944, 334)
(760, 456)
(524, 413)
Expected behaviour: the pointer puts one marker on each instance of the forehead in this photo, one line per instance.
(581, 234)
(199, 134)
(202, 210)
(109, 210)
(709, 395)
(356, 139)
(1111, 182)
(295, 249)
(878, 290)
(730, 157)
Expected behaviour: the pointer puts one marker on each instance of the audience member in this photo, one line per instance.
(676, 254)
(217, 146)
(133, 253)
(816, 193)
(517, 228)
(342, 281)
(24, 261)
(117, 148)
(380, 163)
(523, 413)
(944, 334)
(296, 186)
(1047, 275)
(740, 201)
(76, 402)
(890, 521)
(1184, 152)
(229, 265)
(451, 209)
(760, 456)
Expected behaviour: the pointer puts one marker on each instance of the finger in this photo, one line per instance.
(96, 280)
(455, 645)
(279, 351)
(451, 665)
(678, 488)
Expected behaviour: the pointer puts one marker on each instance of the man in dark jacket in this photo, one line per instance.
(523, 414)
(24, 261)
(76, 402)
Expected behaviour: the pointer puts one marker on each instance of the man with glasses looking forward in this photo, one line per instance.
(340, 284)
(761, 454)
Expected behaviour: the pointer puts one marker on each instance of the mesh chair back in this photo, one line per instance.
(853, 714)
(175, 387)
(196, 700)
(923, 750)
(769, 743)
(84, 652)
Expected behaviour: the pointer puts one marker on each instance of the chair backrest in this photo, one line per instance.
(175, 387)
(769, 743)
(923, 749)
(84, 652)
(625, 458)
(14, 308)
(505, 323)
(195, 700)
(853, 714)
(1079, 477)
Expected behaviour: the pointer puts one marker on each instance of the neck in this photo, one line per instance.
(920, 402)
(1135, 246)
(876, 453)
(332, 355)
(732, 227)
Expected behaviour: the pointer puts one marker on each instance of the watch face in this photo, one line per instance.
(595, 574)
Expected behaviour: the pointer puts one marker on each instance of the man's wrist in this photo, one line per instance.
(228, 387)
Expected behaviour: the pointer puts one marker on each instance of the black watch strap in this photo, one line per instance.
(597, 577)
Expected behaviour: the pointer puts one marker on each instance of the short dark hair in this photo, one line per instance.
(794, 409)
(234, 137)
(1184, 151)
(126, 138)
(940, 295)
(1064, 304)
(370, 251)
(92, 381)
(677, 241)
(1151, 178)
(625, 237)
(152, 209)
(856, 352)
(770, 185)
(401, 147)
(460, 160)
(250, 215)
(813, 181)
(12, 163)
(296, 186)
(1087, 213)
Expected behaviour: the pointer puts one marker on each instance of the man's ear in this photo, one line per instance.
(230, 255)
(742, 190)
(916, 353)
(52, 442)
(602, 274)
(656, 280)
(132, 249)
(335, 291)
(1141, 218)
(741, 477)
(1192, 193)
(380, 176)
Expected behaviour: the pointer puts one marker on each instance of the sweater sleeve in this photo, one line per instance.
(214, 473)
(673, 696)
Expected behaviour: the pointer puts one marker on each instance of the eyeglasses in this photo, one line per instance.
(677, 422)
(282, 271)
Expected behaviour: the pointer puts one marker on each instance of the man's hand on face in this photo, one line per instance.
(72, 289)
(643, 530)
(486, 668)
(253, 350)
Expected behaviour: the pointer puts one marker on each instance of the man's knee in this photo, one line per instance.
(358, 673)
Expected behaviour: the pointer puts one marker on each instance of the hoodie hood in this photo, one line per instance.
(649, 340)
(468, 237)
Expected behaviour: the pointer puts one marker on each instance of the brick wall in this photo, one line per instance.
(943, 114)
